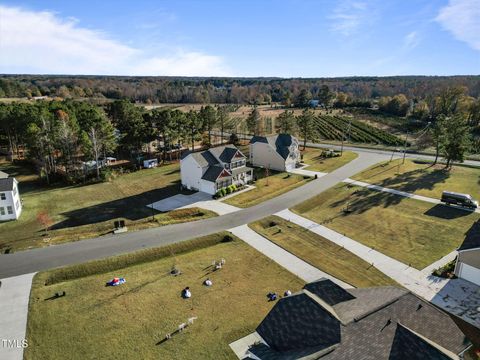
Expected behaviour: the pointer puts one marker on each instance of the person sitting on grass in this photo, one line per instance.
(186, 294)
(208, 282)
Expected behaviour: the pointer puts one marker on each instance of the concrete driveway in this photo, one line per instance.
(179, 201)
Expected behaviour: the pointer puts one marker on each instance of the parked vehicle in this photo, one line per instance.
(452, 198)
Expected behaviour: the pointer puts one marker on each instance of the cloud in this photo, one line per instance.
(411, 40)
(44, 43)
(462, 19)
(349, 16)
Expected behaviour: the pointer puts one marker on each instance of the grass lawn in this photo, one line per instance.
(85, 211)
(313, 158)
(128, 322)
(320, 252)
(267, 187)
(423, 179)
(412, 231)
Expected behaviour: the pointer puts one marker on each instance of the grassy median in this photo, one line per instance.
(321, 253)
(412, 231)
(130, 321)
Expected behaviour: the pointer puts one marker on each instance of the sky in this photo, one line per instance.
(247, 38)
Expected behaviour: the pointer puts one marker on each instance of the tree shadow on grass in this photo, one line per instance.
(419, 179)
(446, 212)
(363, 199)
(131, 207)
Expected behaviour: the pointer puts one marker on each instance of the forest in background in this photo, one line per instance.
(152, 90)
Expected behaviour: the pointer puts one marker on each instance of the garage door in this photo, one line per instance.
(289, 166)
(470, 273)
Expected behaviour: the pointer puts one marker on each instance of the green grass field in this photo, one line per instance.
(412, 231)
(320, 252)
(130, 321)
(423, 179)
(267, 188)
(316, 162)
(85, 211)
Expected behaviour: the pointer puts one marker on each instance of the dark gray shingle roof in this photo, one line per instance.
(328, 291)
(212, 173)
(225, 153)
(298, 322)
(6, 184)
(407, 345)
(372, 337)
(281, 143)
(377, 323)
(472, 238)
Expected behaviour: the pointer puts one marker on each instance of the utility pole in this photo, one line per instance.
(405, 148)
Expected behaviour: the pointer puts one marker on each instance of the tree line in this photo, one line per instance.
(354, 90)
(61, 135)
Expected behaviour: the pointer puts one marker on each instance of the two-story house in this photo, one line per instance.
(10, 203)
(277, 152)
(210, 170)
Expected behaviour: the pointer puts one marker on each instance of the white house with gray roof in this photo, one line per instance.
(277, 152)
(210, 170)
(10, 203)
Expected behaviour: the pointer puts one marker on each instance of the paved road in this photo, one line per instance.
(80, 251)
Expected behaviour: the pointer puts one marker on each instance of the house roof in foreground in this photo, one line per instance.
(371, 323)
(280, 143)
(6, 184)
(472, 238)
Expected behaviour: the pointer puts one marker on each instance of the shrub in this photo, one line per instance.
(234, 187)
(224, 191)
(229, 189)
(227, 238)
(218, 194)
(272, 224)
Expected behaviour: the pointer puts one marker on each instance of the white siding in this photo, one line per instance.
(469, 273)
(191, 173)
(262, 154)
(12, 199)
(207, 187)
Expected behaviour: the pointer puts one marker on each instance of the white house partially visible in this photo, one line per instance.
(277, 152)
(468, 260)
(10, 203)
(215, 168)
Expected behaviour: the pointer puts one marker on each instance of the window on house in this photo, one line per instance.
(9, 210)
(2, 210)
(2, 196)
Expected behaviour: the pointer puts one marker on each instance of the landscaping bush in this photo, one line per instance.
(229, 189)
(446, 271)
(227, 238)
(135, 258)
(218, 194)
(224, 191)
(272, 224)
(234, 187)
